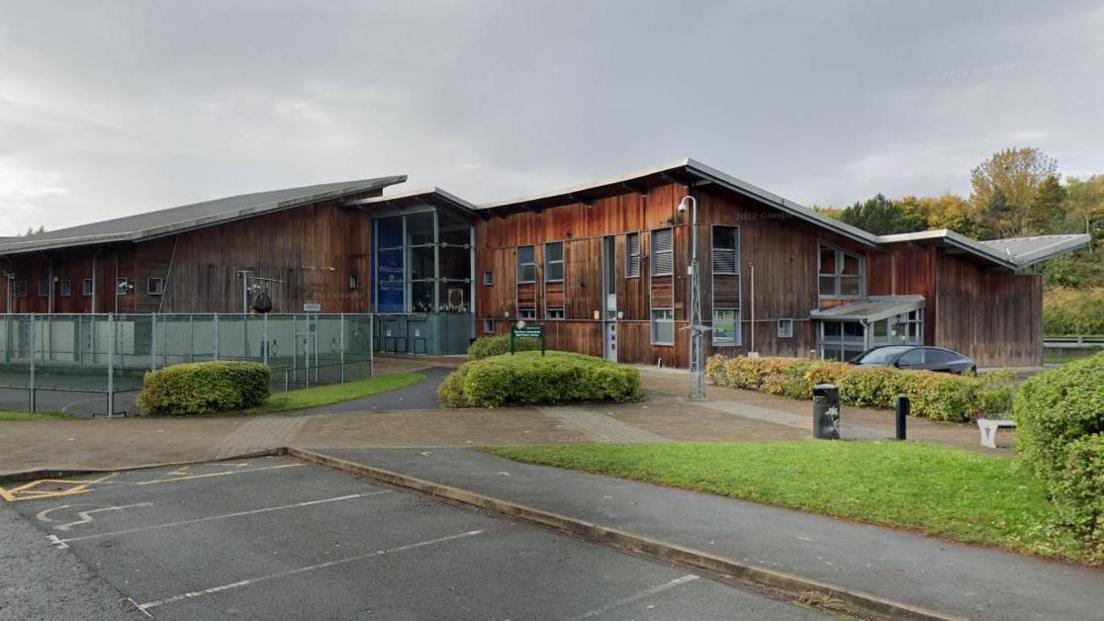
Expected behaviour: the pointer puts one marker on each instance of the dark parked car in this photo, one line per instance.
(916, 358)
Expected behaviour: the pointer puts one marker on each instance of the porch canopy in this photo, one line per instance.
(871, 309)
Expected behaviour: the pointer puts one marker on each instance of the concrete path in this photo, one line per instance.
(974, 582)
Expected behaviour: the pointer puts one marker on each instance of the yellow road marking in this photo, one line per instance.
(27, 491)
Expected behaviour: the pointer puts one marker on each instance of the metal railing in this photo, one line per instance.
(107, 354)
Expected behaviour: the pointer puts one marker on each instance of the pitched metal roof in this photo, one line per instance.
(871, 309)
(432, 196)
(186, 217)
(683, 171)
(1012, 252)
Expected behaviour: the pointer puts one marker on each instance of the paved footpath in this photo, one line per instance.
(969, 581)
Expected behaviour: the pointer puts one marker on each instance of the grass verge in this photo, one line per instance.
(27, 416)
(329, 394)
(935, 490)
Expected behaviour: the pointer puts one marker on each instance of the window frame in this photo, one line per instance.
(734, 251)
(529, 314)
(488, 326)
(521, 265)
(653, 322)
(655, 253)
(488, 278)
(632, 259)
(65, 288)
(21, 289)
(837, 275)
(87, 292)
(155, 291)
(737, 339)
(354, 281)
(785, 334)
(44, 288)
(549, 262)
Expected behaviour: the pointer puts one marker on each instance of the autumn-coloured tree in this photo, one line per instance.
(1005, 185)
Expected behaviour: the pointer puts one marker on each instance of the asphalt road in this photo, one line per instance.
(274, 538)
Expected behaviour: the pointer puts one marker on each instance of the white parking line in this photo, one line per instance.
(636, 596)
(292, 572)
(224, 516)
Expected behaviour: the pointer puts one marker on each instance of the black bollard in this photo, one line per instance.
(903, 407)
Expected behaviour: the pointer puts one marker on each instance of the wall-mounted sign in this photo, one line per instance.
(312, 307)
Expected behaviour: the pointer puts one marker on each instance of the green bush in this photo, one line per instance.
(1073, 311)
(1057, 407)
(487, 346)
(939, 396)
(530, 379)
(1079, 492)
(204, 388)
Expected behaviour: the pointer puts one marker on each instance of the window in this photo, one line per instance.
(553, 262)
(726, 250)
(155, 286)
(663, 260)
(632, 255)
(527, 313)
(66, 288)
(354, 281)
(785, 328)
(21, 288)
(555, 313)
(86, 287)
(726, 327)
(43, 288)
(663, 327)
(841, 340)
(527, 264)
(488, 326)
(842, 274)
(914, 358)
(488, 278)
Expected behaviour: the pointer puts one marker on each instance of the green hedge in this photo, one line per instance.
(1060, 433)
(1073, 311)
(939, 396)
(204, 388)
(487, 346)
(528, 378)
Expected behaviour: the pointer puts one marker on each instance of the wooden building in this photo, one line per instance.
(601, 266)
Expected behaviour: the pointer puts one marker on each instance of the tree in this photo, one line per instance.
(951, 211)
(881, 216)
(1047, 210)
(1016, 173)
(1084, 208)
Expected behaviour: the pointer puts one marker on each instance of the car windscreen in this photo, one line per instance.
(882, 355)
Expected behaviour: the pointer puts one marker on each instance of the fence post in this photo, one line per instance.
(371, 345)
(34, 352)
(286, 387)
(153, 341)
(216, 331)
(341, 326)
(111, 335)
(264, 337)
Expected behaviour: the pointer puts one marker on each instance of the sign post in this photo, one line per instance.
(522, 331)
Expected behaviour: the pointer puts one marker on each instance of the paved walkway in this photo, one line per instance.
(667, 414)
(968, 581)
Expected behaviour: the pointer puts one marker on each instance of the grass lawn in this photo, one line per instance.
(940, 491)
(329, 394)
(26, 416)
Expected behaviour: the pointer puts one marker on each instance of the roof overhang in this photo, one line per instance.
(427, 196)
(127, 233)
(1012, 253)
(873, 308)
(685, 172)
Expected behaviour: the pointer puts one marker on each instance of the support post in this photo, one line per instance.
(153, 341)
(34, 352)
(903, 407)
(215, 323)
(264, 338)
(341, 346)
(111, 334)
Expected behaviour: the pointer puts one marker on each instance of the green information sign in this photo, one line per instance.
(526, 332)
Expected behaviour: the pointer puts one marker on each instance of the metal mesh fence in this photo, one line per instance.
(94, 364)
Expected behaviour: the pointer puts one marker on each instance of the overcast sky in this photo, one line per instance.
(111, 108)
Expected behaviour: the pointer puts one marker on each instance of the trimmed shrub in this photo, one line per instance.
(938, 396)
(487, 346)
(204, 388)
(1079, 493)
(531, 379)
(1073, 311)
(1057, 407)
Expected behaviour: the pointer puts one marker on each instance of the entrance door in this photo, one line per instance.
(609, 297)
